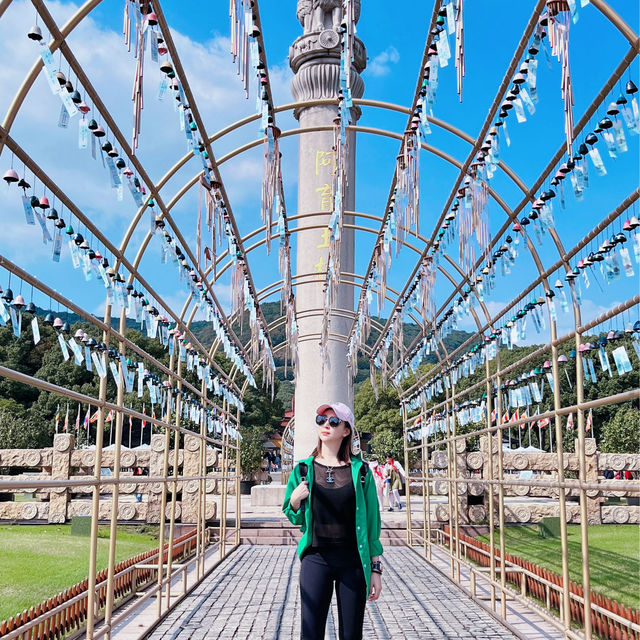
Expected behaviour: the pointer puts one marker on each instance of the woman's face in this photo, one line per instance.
(329, 434)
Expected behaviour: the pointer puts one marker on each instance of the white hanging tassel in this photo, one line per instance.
(126, 26)
(398, 337)
(426, 282)
(271, 180)
(241, 20)
(473, 222)
(407, 200)
(381, 259)
(237, 289)
(460, 47)
(558, 27)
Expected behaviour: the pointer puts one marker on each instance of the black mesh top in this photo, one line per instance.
(334, 506)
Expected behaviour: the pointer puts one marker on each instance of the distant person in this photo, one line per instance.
(378, 476)
(138, 472)
(396, 478)
(628, 474)
(608, 474)
(278, 460)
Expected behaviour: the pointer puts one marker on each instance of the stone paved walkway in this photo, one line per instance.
(254, 594)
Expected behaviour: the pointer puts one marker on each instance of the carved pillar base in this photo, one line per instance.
(60, 468)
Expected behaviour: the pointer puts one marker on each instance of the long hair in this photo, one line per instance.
(344, 453)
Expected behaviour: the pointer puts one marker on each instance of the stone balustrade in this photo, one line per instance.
(64, 462)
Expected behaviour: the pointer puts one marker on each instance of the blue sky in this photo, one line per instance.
(394, 42)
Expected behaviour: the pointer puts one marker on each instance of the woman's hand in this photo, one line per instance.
(376, 586)
(299, 494)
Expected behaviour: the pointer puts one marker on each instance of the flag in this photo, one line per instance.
(109, 417)
(516, 416)
(94, 417)
(544, 422)
(570, 422)
(78, 419)
(87, 419)
(525, 414)
(57, 418)
(130, 421)
(66, 419)
(589, 421)
(505, 417)
(494, 415)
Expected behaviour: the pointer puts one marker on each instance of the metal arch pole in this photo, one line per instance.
(165, 485)
(95, 494)
(454, 485)
(582, 471)
(113, 526)
(223, 491)
(565, 610)
(174, 475)
(237, 484)
(407, 483)
(491, 505)
(503, 575)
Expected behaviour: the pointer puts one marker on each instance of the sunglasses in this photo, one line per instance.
(333, 421)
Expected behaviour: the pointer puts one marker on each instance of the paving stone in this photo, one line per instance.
(255, 592)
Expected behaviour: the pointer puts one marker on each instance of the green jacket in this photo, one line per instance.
(367, 513)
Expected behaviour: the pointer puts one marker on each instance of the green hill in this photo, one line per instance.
(271, 310)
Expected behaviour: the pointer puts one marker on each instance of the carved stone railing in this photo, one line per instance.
(64, 462)
(529, 503)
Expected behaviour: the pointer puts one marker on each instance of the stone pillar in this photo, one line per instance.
(315, 60)
(190, 467)
(60, 470)
(154, 489)
(594, 497)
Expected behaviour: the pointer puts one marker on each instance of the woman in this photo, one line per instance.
(332, 496)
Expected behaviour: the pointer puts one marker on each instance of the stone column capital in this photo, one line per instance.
(315, 60)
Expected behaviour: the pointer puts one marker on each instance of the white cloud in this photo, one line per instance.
(381, 64)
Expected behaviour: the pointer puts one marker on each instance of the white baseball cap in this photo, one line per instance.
(341, 410)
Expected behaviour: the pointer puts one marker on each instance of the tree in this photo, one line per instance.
(387, 441)
(373, 414)
(18, 432)
(622, 433)
(260, 410)
(251, 451)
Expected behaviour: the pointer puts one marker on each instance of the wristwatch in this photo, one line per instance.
(376, 567)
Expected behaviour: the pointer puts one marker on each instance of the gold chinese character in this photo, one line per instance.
(326, 233)
(326, 197)
(325, 159)
(319, 267)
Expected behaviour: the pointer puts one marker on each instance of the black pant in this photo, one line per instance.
(320, 568)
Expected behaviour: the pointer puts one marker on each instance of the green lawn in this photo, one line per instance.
(39, 561)
(614, 556)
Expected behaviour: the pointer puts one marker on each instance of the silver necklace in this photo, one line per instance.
(330, 478)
